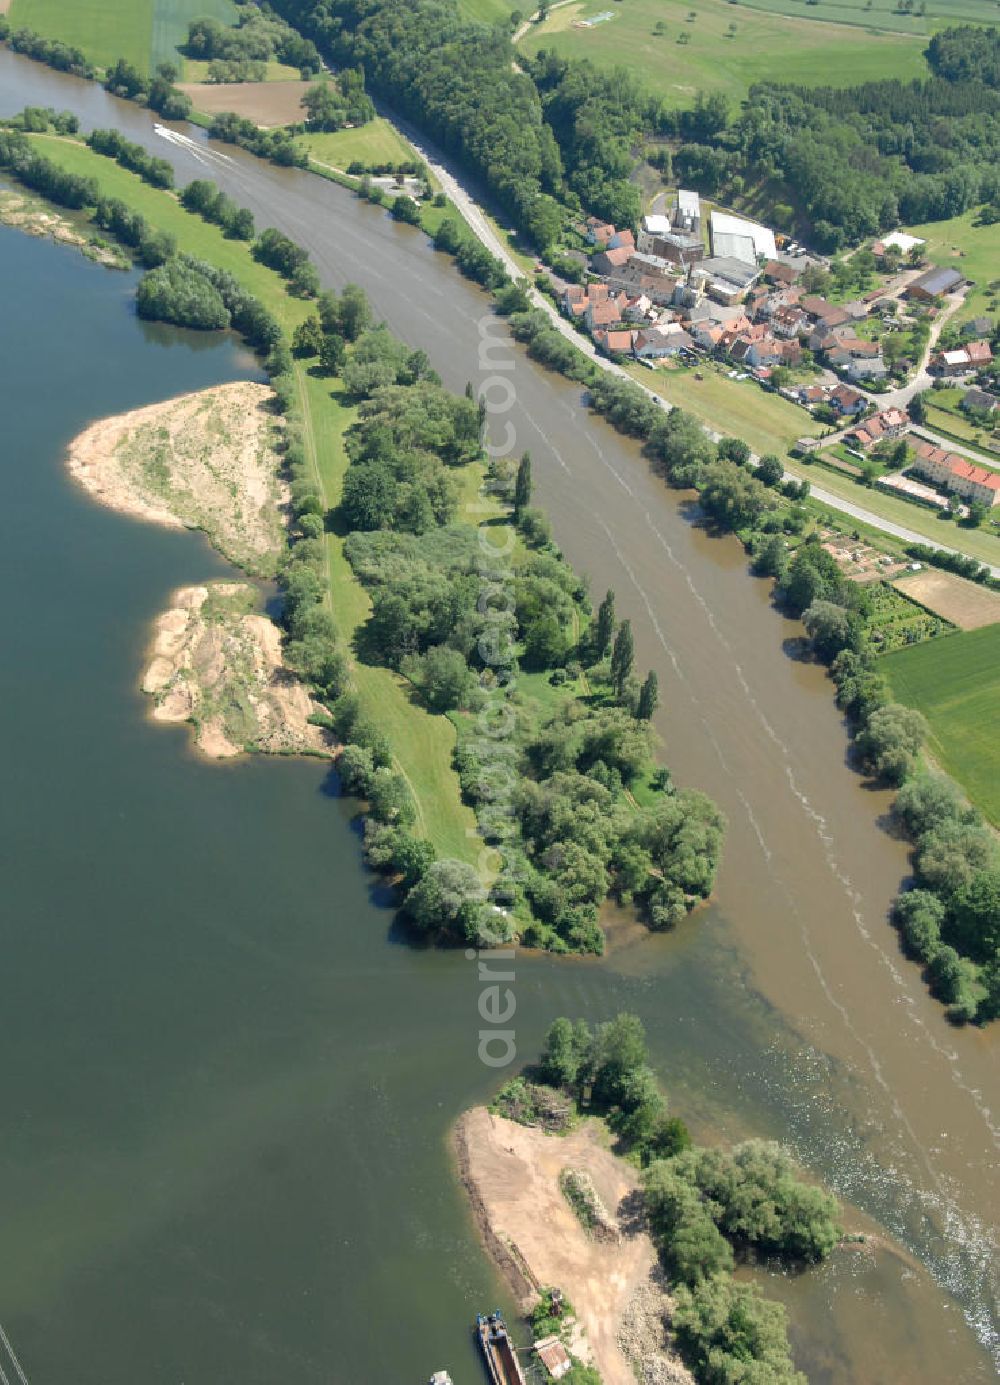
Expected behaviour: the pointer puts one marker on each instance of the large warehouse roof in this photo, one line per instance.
(725, 225)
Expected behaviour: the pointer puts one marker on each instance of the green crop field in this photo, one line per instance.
(146, 32)
(955, 682)
(972, 249)
(885, 14)
(728, 47)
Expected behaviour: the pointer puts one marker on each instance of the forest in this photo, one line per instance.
(708, 1208)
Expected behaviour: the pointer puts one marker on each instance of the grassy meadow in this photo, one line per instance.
(884, 14)
(974, 251)
(146, 32)
(377, 142)
(494, 11)
(764, 46)
(954, 683)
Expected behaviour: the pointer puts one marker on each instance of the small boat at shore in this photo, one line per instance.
(441, 1378)
(501, 1358)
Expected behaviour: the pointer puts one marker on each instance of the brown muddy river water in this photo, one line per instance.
(786, 1009)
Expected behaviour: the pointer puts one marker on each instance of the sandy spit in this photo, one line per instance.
(511, 1174)
(216, 663)
(201, 461)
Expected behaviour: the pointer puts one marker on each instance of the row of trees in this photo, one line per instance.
(278, 145)
(158, 173)
(62, 56)
(159, 92)
(207, 201)
(706, 1207)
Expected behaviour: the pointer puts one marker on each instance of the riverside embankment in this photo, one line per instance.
(788, 1008)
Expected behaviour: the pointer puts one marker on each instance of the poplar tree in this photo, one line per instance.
(605, 629)
(649, 697)
(522, 486)
(622, 658)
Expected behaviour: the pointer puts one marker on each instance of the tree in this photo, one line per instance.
(891, 740)
(565, 1052)
(622, 657)
(443, 676)
(546, 643)
(448, 899)
(307, 339)
(354, 312)
(648, 697)
(325, 107)
(769, 470)
(604, 628)
(522, 486)
(332, 354)
(830, 627)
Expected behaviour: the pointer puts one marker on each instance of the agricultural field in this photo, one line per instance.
(727, 47)
(974, 250)
(969, 605)
(954, 682)
(885, 14)
(146, 32)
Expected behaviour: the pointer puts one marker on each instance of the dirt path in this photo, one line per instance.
(512, 1176)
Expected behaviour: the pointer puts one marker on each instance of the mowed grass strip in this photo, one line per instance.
(955, 682)
(102, 29)
(764, 47)
(423, 743)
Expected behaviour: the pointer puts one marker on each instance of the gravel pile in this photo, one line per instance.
(643, 1336)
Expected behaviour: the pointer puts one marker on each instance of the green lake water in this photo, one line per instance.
(226, 1084)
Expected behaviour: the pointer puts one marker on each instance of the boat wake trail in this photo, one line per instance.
(7, 1353)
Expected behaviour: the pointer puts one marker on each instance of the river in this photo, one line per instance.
(246, 1163)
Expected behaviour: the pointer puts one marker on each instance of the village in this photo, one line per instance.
(754, 303)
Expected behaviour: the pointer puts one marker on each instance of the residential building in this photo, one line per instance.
(610, 261)
(604, 315)
(890, 424)
(847, 401)
(657, 343)
(724, 278)
(622, 239)
(614, 342)
(957, 475)
(980, 401)
(978, 327)
(599, 231)
(818, 308)
(780, 273)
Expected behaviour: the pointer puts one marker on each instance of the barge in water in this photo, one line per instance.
(501, 1358)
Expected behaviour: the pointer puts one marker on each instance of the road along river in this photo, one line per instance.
(818, 1030)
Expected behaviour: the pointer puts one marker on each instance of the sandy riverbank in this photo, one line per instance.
(204, 461)
(23, 212)
(511, 1174)
(216, 663)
